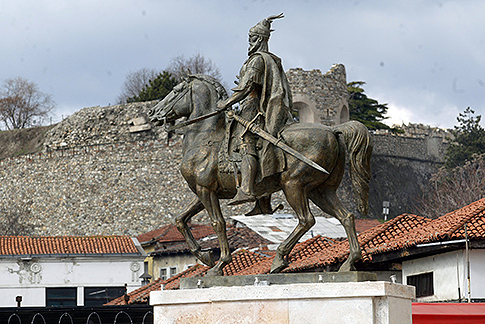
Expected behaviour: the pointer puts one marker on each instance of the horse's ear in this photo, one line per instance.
(184, 75)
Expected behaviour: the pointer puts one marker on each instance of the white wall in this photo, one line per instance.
(477, 273)
(29, 278)
(449, 272)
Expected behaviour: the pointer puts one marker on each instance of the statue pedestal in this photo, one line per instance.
(350, 302)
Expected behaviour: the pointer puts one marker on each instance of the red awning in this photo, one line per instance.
(448, 313)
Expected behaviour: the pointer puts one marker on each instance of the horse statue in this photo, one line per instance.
(206, 166)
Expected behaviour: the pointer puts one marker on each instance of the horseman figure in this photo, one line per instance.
(304, 160)
(265, 100)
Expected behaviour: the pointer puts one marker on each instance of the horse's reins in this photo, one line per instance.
(191, 121)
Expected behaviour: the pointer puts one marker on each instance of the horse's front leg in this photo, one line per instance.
(181, 221)
(211, 203)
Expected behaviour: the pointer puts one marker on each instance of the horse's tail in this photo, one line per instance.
(359, 147)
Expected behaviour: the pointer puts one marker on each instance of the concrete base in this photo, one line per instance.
(352, 302)
(276, 279)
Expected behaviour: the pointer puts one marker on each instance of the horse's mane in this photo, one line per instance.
(221, 92)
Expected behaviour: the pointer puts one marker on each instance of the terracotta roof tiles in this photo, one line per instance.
(362, 225)
(403, 231)
(240, 260)
(238, 237)
(447, 227)
(47, 245)
(170, 233)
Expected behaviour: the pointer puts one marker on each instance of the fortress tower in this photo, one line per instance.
(320, 98)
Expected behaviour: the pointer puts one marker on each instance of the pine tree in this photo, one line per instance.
(469, 139)
(157, 88)
(364, 109)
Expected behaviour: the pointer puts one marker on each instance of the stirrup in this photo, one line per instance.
(241, 198)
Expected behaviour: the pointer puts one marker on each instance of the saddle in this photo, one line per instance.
(229, 158)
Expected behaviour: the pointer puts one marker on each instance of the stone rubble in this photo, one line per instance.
(95, 177)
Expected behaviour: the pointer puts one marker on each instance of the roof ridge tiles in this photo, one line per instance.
(479, 207)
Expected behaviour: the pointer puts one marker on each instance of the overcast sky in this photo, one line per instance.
(425, 59)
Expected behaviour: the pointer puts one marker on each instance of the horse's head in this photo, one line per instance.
(174, 106)
(197, 95)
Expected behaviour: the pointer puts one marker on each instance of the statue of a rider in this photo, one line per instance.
(265, 99)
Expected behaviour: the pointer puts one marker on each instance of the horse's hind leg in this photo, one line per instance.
(327, 200)
(298, 200)
(181, 221)
(211, 203)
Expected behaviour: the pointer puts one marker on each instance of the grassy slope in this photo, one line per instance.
(22, 141)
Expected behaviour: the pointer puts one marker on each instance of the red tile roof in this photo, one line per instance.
(170, 233)
(42, 245)
(320, 252)
(240, 260)
(362, 225)
(238, 238)
(447, 227)
(403, 231)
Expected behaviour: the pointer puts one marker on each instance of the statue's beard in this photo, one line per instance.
(253, 48)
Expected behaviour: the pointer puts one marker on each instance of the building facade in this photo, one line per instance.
(68, 271)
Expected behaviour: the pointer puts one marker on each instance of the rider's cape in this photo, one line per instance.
(275, 105)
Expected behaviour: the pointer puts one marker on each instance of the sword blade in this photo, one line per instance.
(270, 138)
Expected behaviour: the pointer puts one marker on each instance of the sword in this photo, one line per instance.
(255, 129)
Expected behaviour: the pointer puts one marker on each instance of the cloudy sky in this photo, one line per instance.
(425, 59)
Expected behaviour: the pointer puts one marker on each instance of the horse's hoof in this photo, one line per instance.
(278, 265)
(214, 272)
(207, 258)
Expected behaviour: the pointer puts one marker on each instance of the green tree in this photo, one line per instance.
(469, 139)
(135, 82)
(157, 88)
(364, 109)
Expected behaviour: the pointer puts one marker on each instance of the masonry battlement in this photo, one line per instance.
(319, 97)
(419, 130)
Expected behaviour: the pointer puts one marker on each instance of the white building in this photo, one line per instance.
(443, 258)
(68, 271)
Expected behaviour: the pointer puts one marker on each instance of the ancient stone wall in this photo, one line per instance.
(94, 176)
(105, 170)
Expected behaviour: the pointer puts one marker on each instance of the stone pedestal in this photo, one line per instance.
(350, 302)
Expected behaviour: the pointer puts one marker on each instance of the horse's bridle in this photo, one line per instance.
(174, 102)
(187, 122)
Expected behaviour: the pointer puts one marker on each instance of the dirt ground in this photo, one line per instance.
(22, 141)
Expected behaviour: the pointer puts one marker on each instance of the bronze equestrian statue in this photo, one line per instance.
(217, 148)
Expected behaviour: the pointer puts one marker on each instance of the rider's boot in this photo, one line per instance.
(245, 193)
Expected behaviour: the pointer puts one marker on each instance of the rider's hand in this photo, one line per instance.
(221, 105)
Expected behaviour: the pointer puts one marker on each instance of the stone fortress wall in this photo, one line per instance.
(105, 170)
(99, 174)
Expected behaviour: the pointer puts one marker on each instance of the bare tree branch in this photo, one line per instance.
(21, 102)
(135, 82)
(196, 64)
(452, 189)
(14, 220)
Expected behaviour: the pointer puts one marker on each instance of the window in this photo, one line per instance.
(97, 296)
(166, 273)
(163, 274)
(173, 271)
(423, 283)
(58, 297)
